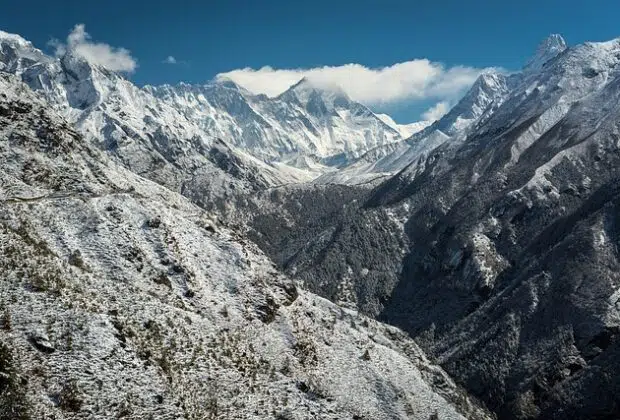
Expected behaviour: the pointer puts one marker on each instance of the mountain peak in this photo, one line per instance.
(490, 87)
(548, 49)
(222, 82)
(227, 82)
(301, 89)
(488, 80)
(17, 54)
(306, 90)
(13, 38)
(306, 83)
(300, 83)
(554, 41)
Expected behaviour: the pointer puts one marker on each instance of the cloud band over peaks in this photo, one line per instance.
(411, 80)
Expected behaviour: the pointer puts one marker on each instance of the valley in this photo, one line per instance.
(221, 254)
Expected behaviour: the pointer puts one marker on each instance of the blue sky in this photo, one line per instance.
(212, 37)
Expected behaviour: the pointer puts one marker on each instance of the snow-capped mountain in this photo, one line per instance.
(519, 217)
(146, 135)
(550, 48)
(121, 298)
(305, 121)
(490, 236)
(478, 104)
(498, 247)
(170, 134)
(405, 130)
(485, 96)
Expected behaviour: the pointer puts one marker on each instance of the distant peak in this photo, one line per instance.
(547, 50)
(308, 84)
(553, 41)
(76, 64)
(227, 82)
(300, 84)
(303, 87)
(20, 47)
(13, 38)
(307, 88)
(80, 67)
(488, 84)
(216, 86)
(489, 78)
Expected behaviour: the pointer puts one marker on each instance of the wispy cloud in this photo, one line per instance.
(411, 80)
(112, 58)
(170, 60)
(436, 111)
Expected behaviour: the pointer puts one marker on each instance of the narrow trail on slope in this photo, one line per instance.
(58, 196)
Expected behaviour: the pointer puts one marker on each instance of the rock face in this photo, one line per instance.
(121, 298)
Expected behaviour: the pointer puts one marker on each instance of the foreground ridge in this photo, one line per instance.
(121, 298)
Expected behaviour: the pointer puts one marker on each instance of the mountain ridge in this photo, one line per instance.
(498, 246)
(268, 129)
(490, 237)
(135, 302)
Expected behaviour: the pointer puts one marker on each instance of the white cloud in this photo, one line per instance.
(411, 80)
(79, 41)
(170, 60)
(436, 111)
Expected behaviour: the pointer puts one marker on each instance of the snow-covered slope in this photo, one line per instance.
(508, 270)
(406, 130)
(479, 104)
(483, 98)
(517, 232)
(165, 132)
(120, 298)
(145, 135)
(495, 245)
(305, 121)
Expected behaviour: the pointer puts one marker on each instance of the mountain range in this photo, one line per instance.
(198, 251)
